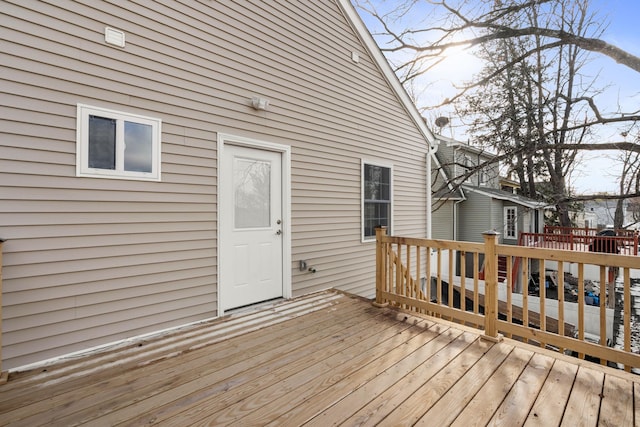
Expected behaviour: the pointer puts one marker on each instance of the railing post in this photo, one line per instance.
(381, 274)
(4, 376)
(490, 286)
(571, 240)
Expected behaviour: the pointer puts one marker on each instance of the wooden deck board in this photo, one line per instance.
(151, 381)
(242, 379)
(515, 408)
(414, 407)
(584, 401)
(377, 409)
(550, 404)
(616, 408)
(341, 379)
(478, 394)
(323, 359)
(272, 397)
(359, 389)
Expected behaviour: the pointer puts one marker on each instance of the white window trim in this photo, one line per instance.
(82, 145)
(364, 239)
(515, 222)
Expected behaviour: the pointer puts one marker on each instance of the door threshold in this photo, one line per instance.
(254, 307)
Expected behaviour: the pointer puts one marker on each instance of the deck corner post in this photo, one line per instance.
(3, 375)
(380, 266)
(490, 285)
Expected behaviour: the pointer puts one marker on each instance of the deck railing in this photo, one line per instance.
(441, 278)
(578, 239)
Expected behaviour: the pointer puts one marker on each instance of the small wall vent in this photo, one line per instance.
(114, 37)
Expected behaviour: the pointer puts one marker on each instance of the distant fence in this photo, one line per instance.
(583, 239)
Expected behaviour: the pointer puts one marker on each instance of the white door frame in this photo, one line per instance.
(285, 151)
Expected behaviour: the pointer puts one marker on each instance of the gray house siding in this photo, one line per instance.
(442, 218)
(476, 215)
(89, 261)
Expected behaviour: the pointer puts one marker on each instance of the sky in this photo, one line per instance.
(597, 171)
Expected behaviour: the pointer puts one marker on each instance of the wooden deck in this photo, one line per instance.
(324, 359)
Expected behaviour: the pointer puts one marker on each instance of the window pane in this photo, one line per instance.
(377, 198)
(375, 214)
(138, 144)
(252, 193)
(511, 223)
(102, 143)
(377, 184)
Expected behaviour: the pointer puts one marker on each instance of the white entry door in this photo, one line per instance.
(252, 235)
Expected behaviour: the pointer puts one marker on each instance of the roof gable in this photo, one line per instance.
(372, 47)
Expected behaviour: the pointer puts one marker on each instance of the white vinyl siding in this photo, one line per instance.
(90, 261)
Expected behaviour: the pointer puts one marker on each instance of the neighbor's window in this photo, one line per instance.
(510, 223)
(376, 198)
(112, 144)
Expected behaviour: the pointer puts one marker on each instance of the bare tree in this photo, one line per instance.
(488, 15)
(536, 27)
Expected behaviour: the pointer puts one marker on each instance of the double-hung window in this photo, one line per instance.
(112, 144)
(510, 223)
(376, 198)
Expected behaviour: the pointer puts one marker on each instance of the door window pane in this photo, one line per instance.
(102, 143)
(252, 193)
(138, 144)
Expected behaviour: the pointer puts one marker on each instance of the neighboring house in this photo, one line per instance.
(477, 199)
(600, 213)
(166, 162)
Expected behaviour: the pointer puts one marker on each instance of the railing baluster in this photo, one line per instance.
(476, 272)
(525, 294)
(581, 305)
(627, 314)
(439, 278)
(427, 282)
(509, 285)
(450, 280)
(379, 265)
(490, 285)
(463, 276)
(542, 275)
(399, 286)
(407, 285)
(561, 301)
(418, 276)
(390, 269)
(603, 309)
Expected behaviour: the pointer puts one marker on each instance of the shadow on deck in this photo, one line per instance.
(323, 359)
